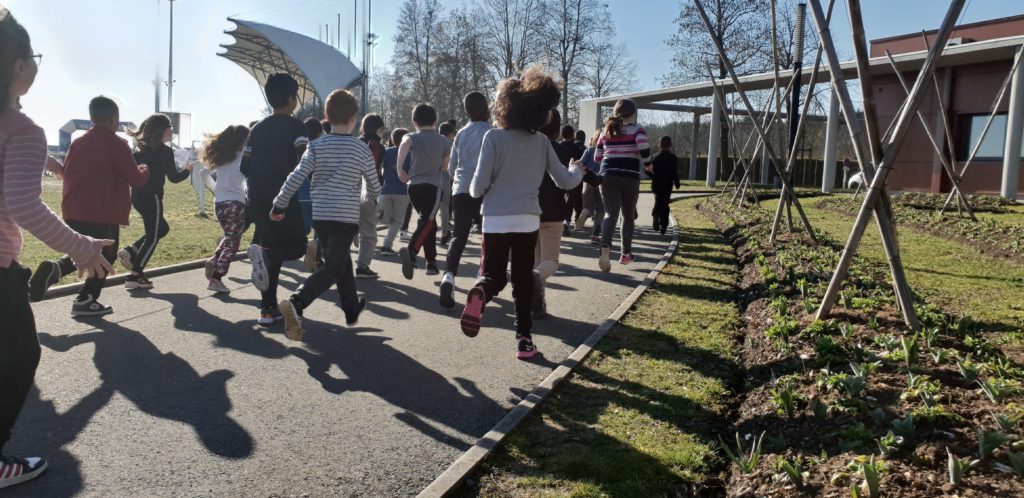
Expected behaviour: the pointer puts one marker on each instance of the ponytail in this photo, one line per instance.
(624, 108)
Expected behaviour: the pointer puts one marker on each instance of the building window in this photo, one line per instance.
(994, 145)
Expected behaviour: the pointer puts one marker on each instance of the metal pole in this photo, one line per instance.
(713, 141)
(338, 46)
(694, 136)
(170, 62)
(750, 110)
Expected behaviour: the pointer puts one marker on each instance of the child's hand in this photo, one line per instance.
(143, 169)
(189, 166)
(95, 263)
(276, 216)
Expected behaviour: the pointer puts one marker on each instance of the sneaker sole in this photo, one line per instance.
(218, 290)
(525, 355)
(269, 321)
(470, 321)
(309, 262)
(292, 321)
(604, 262)
(407, 264)
(366, 277)
(447, 298)
(137, 286)
(91, 313)
(260, 278)
(11, 481)
(125, 258)
(39, 284)
(359, 311)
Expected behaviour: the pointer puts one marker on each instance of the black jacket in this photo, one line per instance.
(162, 167)
(665, 172)
(552, 198)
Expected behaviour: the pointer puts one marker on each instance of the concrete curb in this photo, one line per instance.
(452, 478)
(118, 279)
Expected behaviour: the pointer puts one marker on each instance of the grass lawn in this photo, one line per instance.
(640, 417)
(684, 186)
(945, 271)
(190, 238)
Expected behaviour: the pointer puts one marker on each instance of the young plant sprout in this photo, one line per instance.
(959, 466)
(988, 441)
(746, 462)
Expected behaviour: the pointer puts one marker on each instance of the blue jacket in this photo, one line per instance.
(392, 184)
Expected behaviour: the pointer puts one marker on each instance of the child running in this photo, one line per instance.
(394, 195)
(554, 207)
(222, 153)
(148, 199)
(369, 130)
(98, 173)
(621, 151)
(593, 206)
(340, 166)
(22, 156)
(275, 145)
(429, 153)
(447, 130)
(465, 208)
(665, 170)
(314, 129)
(513, 161)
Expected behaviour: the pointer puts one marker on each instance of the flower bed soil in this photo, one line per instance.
(838, 414)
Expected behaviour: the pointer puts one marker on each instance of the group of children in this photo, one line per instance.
(513, 170)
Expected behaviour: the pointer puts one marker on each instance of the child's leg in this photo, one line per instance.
(342, 259)
(425, 199)
(231, 215)
(273, 262)
(549, 240)
(19, 347)
(611, 194)
(630, 195)
(93, 285)
(521, 248)
(150, 206)
(495, 253)
(367, 232)
(464, 208)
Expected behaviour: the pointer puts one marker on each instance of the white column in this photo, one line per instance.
(714, 141)
(1014, 130)
(590, 116)
(766, 165)
(693, 146)
(828, 177)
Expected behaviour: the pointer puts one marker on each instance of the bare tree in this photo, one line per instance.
(571, 28)
(418, 23)
(608, 69)
(511, 26)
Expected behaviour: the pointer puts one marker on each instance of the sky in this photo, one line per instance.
(115, 47)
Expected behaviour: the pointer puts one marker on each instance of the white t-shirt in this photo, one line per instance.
(230, 181)
(512, 223)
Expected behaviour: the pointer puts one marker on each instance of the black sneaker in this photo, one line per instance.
(445, 239)
(387, 251)
(89, 307)
(432, 268)
(351, 319)
(565, 230)
(137, 282)
(526, 348)
(15, 470)
(366, 272)
(447, 294)
(408, 262)
(46, 275)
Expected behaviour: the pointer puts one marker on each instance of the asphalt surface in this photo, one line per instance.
(181, 393)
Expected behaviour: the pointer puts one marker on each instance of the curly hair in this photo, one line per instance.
(523, 103)
(222, 148)
(150, 134)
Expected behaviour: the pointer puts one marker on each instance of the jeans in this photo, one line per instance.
(592, 201)
(466, 209)
(150, 206)
(392, 212)
(336, 239)
(367, 232)
(94, 284)
(19, 347)
(619, 193)
(498, 249)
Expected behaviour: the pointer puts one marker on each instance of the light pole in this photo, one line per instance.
(371, 41)
(170, 62)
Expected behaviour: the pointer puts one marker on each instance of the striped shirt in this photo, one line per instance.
(625, 154)
(22, 156)
(339, 165)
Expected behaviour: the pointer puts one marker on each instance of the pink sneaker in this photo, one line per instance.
(626, 258)
(526, 348)
(473, 311)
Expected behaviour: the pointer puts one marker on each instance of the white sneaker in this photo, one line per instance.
(581, 220)
(18, 470)
(604, 261)
(125, 258)
(218, 286)
(309, 262)
(405, 237)
(209, 267)
(260, 276)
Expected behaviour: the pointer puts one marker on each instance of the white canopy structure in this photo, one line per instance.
(263, 50)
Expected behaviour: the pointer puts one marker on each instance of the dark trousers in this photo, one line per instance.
(94, 284)
(661, 209)
(336, 239)
(465, 210)
(150, 206)
(19, 347)
(498, 249)
(425, 199)
(408, 218)
(574, 203)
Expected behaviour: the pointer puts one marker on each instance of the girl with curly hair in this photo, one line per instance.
(514, 158)
(222, 154)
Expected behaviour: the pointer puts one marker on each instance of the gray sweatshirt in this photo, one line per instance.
(427, 153)
(512, 165)
(466, 154)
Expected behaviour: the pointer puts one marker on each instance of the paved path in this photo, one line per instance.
(181, 393)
